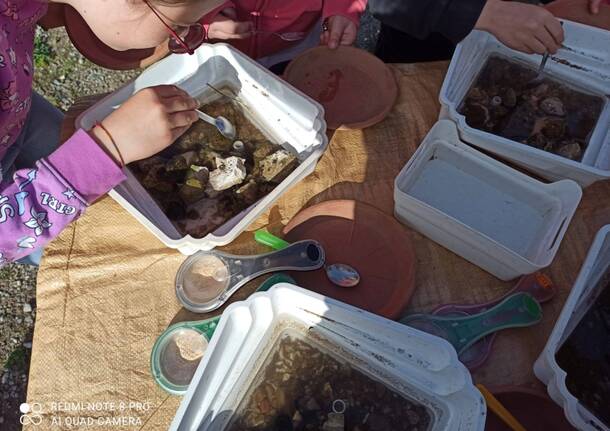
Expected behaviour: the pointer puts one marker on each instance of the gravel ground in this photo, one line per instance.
(62, 76)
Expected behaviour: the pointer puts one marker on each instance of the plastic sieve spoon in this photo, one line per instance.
(207, 279)
(223, 125)
(517, 310)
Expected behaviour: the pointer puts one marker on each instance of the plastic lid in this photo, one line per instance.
(371, 242)
(356, 89)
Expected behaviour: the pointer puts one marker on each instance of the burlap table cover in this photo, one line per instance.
(106, 285)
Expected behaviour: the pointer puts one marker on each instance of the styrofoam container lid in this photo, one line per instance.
(287, 116)
(462, 198)
(419, 366)
(583, 293)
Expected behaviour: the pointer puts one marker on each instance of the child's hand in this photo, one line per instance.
(148, 122)
(524, 27)
(225, 26)
(595, 4)
(340, 31)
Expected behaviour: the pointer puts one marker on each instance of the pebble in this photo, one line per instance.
(27, 344)
(27, 308)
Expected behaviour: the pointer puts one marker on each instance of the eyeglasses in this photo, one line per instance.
(192, 37)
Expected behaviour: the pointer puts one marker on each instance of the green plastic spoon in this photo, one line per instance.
(518, 310)
(180, 348)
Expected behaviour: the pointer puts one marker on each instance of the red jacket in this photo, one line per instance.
(283, 16)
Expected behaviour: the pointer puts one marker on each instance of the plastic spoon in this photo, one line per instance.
(206, 280)
(223, 125)
(518, 310)
(497, 407)
(339, 274)
(538, 285)
(169, 367)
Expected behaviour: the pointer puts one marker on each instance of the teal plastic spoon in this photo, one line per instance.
(181, 347)
(518, 310)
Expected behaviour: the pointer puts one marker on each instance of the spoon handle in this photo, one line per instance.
(205, 117)
(304, 255)
(538, 285)
(264, 237)
(517, 310)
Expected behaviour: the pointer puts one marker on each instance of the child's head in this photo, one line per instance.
(131, 24)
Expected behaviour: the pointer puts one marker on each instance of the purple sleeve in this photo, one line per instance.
(40, 202)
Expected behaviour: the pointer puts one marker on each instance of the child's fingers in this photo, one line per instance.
(169, 91)
(349, 35)
(236, 30)
(594, 6)
(336, 32)
(324, 38)
(182, 119)
(180, 103)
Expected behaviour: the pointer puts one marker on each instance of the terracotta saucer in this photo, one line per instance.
(578, 11)
(94, 49)
(370, 241)
(356, 89)
(533, 409)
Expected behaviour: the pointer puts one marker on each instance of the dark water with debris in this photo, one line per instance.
(550, 115)
(300, 383)
(585, 356)
(204, 179)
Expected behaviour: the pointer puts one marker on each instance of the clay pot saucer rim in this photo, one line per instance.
(344, 204)
(505, 389)
(355, 125)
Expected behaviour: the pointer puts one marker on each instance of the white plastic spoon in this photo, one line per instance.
(223, 125)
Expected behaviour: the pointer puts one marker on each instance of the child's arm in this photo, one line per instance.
(39, 203)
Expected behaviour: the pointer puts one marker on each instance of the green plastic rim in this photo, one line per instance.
(206, 328)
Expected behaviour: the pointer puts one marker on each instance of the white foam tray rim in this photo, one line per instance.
(310, 305)
(546, 367)
(406, 204)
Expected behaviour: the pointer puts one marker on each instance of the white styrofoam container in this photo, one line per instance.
(416, 364)
(584, 292)
(286, 115)
(584, 63)
(490, 214)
